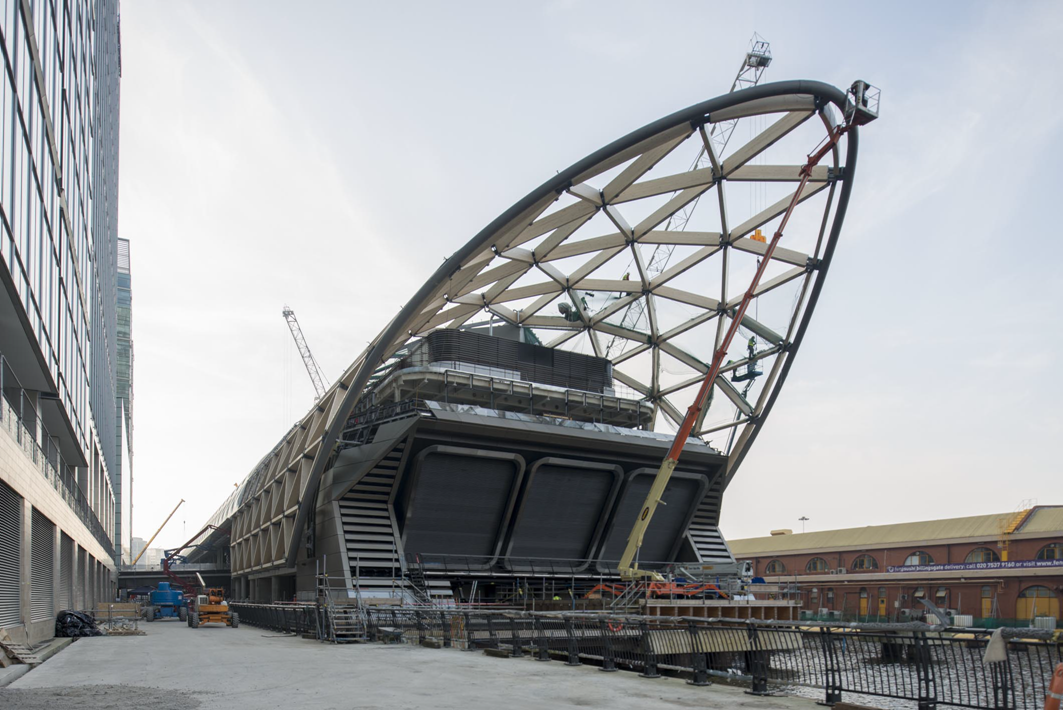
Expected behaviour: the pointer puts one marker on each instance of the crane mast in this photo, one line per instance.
(312, 368)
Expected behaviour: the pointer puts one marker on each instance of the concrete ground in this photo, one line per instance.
(174, 667)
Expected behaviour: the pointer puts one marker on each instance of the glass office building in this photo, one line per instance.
(59, 414)
(123, 480)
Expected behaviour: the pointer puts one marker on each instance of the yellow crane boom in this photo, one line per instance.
(148, 544)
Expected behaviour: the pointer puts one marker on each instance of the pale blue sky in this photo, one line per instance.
(329, 155)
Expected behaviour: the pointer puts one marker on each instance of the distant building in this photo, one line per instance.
(880, 572)
(58, 311)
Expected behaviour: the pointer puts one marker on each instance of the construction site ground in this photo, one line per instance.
(174, 667)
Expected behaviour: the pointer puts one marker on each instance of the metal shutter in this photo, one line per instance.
(80, 583)
(90, 586)
(10, 559)
(42, 561)
(66, 571)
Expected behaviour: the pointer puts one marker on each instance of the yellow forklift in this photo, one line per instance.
(211, 608)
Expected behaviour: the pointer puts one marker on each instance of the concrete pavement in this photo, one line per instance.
(176, 667)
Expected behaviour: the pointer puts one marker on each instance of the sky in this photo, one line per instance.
(328, 156)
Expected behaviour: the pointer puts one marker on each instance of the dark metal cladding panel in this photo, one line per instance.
(669, 522)
(460, 502)
(562, 511)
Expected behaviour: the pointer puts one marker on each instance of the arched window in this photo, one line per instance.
(1053, 551)
(816, 564)
(982, 554)
(775, 567)
(940, 595)
(918, 558)
(865, 562)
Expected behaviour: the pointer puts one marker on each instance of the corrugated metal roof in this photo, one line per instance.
(1042, 519)
(1046, 519)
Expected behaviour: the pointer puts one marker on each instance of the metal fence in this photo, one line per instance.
(294, 618)
(908, 662)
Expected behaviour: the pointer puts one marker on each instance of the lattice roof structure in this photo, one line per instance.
(595, 261)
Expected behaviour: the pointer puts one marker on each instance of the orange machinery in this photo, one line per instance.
(211, 608)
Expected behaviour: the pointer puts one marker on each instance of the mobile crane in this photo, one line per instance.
(862, 108)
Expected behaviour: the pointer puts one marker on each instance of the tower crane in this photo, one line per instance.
(312, 368)
(754, 63)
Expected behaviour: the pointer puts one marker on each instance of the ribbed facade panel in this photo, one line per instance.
(66, 571)
(42, 564)
(10, 557)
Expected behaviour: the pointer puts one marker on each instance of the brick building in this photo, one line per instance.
(1002, 568)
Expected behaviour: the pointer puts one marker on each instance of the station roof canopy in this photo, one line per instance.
(1045, 520)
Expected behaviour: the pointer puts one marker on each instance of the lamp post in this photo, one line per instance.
(803, 519)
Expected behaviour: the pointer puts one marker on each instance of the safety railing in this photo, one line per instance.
(294, 618)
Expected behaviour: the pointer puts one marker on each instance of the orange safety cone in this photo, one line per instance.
(1055, 690)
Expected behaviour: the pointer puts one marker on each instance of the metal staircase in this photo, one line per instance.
(369, 529)
(369, 532)
(345, 619)
(704, 532)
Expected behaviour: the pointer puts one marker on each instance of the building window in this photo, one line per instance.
(920, 592)
(816, 564)
(918, 558)
(1036, 601)
(1051, 552)
(814, 597)
(982, 554)
(940, 596)
(830, 596)
(987, 592)
(775, 567)
(865, 562)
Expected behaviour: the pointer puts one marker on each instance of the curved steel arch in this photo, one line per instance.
(493, 260)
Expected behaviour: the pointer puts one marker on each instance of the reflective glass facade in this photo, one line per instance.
(123, 482)
(59, 99)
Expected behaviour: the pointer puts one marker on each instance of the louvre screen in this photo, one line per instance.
(42, 560)
(10, 567)
(90, 585)
(66, 572)
(535, 363)
(79, 585)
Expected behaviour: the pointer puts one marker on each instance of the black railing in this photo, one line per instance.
(287, 618)
(910, 662)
